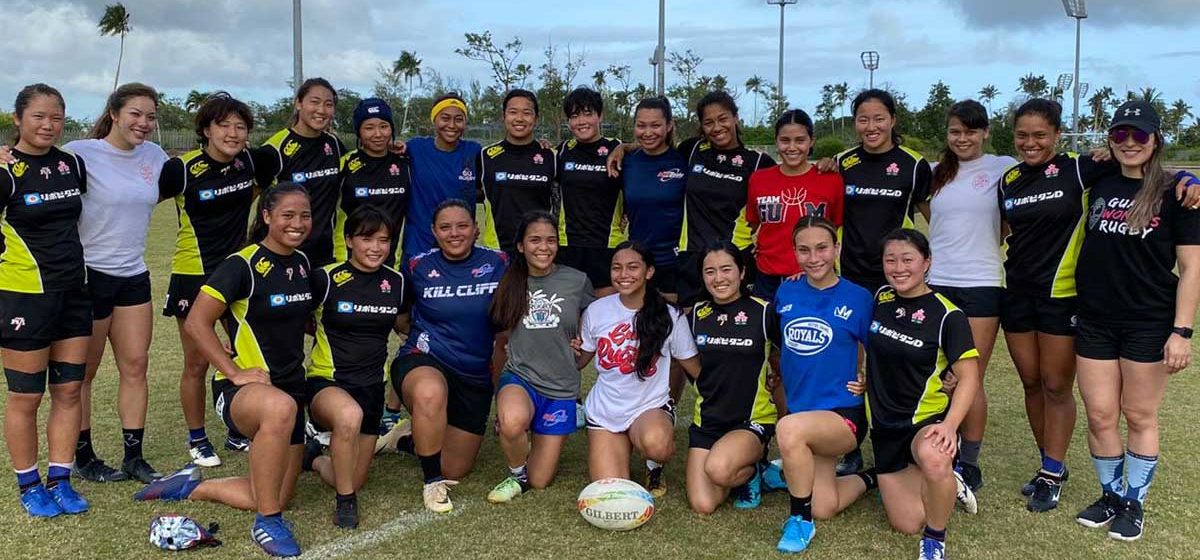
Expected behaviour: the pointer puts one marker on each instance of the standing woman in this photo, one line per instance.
(538, 304)
(917, 337)
(45, 313)
(442, 373)
(964, 233)
(259, 391)
(1135, 315)
(634, 335)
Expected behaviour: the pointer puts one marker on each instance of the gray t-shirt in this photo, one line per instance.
(539, 348)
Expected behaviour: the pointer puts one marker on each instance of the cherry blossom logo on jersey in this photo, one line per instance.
(63, 168)
(385, 287)
(737, 160)
(918, 316)
(45, 171)
(980, 181)
(618, 351)
(394, 170)
(237, 164)
(538, 159)
(740, 318)
(602, 151)
(892, 170)
(1052, 171)
(148, 173)
(328, 149)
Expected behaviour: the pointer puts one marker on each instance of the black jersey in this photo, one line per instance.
(732, 340)
(385, 182)
(270, 299)
(590, 212)
(313, 163)
(1043, 206)
(913, 341)
(1128, 276)
(213, 201)
(882, 191)
(41, 204)
(714, 203)
(355, 312)
(514, 180)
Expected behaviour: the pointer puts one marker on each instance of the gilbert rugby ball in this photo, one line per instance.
(616, 504)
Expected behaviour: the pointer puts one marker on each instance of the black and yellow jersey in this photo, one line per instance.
(714, 203)
(355, 312)
(1044, 206)
(41, 205)
(513, 180)
(313, 163)
(912, 342)
(213, 201)
(590, 212)
(882, 191)
(385, 182)
(732, 340)
(270, 298)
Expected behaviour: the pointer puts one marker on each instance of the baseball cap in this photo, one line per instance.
(1139, 114)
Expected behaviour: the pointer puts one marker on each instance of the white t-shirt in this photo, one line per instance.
(964, 226)
(619, 396)
(121, 195)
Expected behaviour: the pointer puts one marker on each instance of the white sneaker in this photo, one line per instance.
(964, 495)
(311, 431)
(388, 440)
(203, 455)
(437, 496)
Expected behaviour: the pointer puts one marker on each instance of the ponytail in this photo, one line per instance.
(117, 101)
(652, 323)
(267, 202)
(511, 301)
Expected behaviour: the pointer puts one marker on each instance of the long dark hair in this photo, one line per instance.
(730, 249)
(653, 322)
(511, 301)
(658, 103)
(216, 108)
(25, 97)
(723, 99)
(884, 98)
(972, 115)
(116, 101)
(267, 202)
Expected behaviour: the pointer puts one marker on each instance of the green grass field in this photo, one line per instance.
(545, 524)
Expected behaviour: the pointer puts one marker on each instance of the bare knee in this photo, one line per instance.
(1139, 419)
(658, 447)
(935, 465)
(702, 506)
(278, 414)
(906, 526)
(1060, 389)
(791, 433)
(513, 424)
(824, 509)
(133, 367)
(540, 482)
(348, 422)
(720, 470)
(1102, 419)
(427, 399)
(65, 395)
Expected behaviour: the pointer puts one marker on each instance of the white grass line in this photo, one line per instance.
(403, 523)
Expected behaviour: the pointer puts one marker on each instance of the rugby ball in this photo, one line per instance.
(616, 504)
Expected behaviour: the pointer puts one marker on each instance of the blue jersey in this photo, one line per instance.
(436, 176)
(654, 189)
(818, 333)
(450, 318)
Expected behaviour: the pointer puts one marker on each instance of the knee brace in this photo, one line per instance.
(62, 372)
(26, 383)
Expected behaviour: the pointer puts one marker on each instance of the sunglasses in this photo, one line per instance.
(1120, 135)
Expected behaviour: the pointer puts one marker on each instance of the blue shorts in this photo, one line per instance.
(551, 417)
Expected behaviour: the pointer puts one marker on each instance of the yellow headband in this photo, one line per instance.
(446, 104)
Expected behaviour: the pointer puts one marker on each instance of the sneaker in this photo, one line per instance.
(655, 483)
(437, 495)
(749, 495)
(274, 536)
(345, 514)
(1046, 491)
(508, 489)
(580, 416)
(932, 549)
(797, 533)
(389, 420)
(39, 503)
(1101, 512)
(1027, 489)
(203, 454)
(1127, 525)
(772, 476)
(96, 471)
(971, 475)
(312, 450)
(240, 444)
(310, 430)
(174, 487)
(67, 498)
(388, 439)
(850, 463)
(964, 495)
(138, 469)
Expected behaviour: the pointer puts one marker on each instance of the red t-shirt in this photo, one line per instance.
(776, 203)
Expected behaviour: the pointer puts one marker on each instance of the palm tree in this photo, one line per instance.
(115, 22)
(1178, 112)
(754, 86)
(1098, 103)
(407, 66)
(1033, 86)
(194, 100)
(841, 94)
(988, 94)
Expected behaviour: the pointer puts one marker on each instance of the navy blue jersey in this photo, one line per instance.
(654, 190)
(436, 176)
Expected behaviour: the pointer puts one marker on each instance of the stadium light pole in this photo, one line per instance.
(783, 4)
(659, 59)
(870, 61)
(1064, 82)
(297, 46)
(1076, 9)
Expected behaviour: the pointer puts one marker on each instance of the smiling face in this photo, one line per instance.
(40, 124)
(585, 125)
(368, 251)
(315, 110)
(1036, 139)
(520, 118)
(227, 137)
(874, 123)
(904, 266)
(1130, 154)
(289, 221)
(450, 124)
(817, 252)
(540, 246)
(722, 276)
(794, 144)
(629, 272)
(651, 129)
(374, 136)
(719, 126)
(966, 143)
(455, 232)
(134, 122)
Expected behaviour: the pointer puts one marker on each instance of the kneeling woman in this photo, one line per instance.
(735, 416)
(259, 392)
(633, 334)
(358, 305)
(917, 337)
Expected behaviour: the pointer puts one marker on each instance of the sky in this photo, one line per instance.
(245, 46)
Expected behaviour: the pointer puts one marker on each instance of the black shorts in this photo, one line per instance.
(665, 278)
(368, 397)
(1021, 313)
(893, 447)
(705, 438)
(980, 301)
(870, 284)
(1098, 340)
(467, 405)
(855, 418)
(224, 391)
(34, 321)
(596, 262)
(765, 286)
(181, 294)
(689, 283)
(115, 291)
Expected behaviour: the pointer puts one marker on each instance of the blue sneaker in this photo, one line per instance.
(772, 476)
(797, 533)
(749, 495)
(174, 487)
(274, 536)
(39, 503)
(67, 498)
(932, 549)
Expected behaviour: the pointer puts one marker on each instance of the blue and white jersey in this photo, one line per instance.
(818, 333)
(450, 309)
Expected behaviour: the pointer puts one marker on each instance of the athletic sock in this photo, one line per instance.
(931, 533)
(651, 465)
(1052, 466)
(28, 478)
(1141, 474)
(1110, 471)
(520, 473)
(346, 498)
(57, 473)
(84, 453)
(405, 445)
(197, 436)
(133, 442)
(870, 477)
(802, 507)
(968, 452)
(431, 467)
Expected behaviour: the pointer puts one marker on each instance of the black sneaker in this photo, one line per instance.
(312, 450)
(345, 514)
(96, 471)
(1027, 489)
(1101, 512)
(850, 463)
(138, 469)
(1046, 490)
(1127, 525)
(655, 483)
(971, 475)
